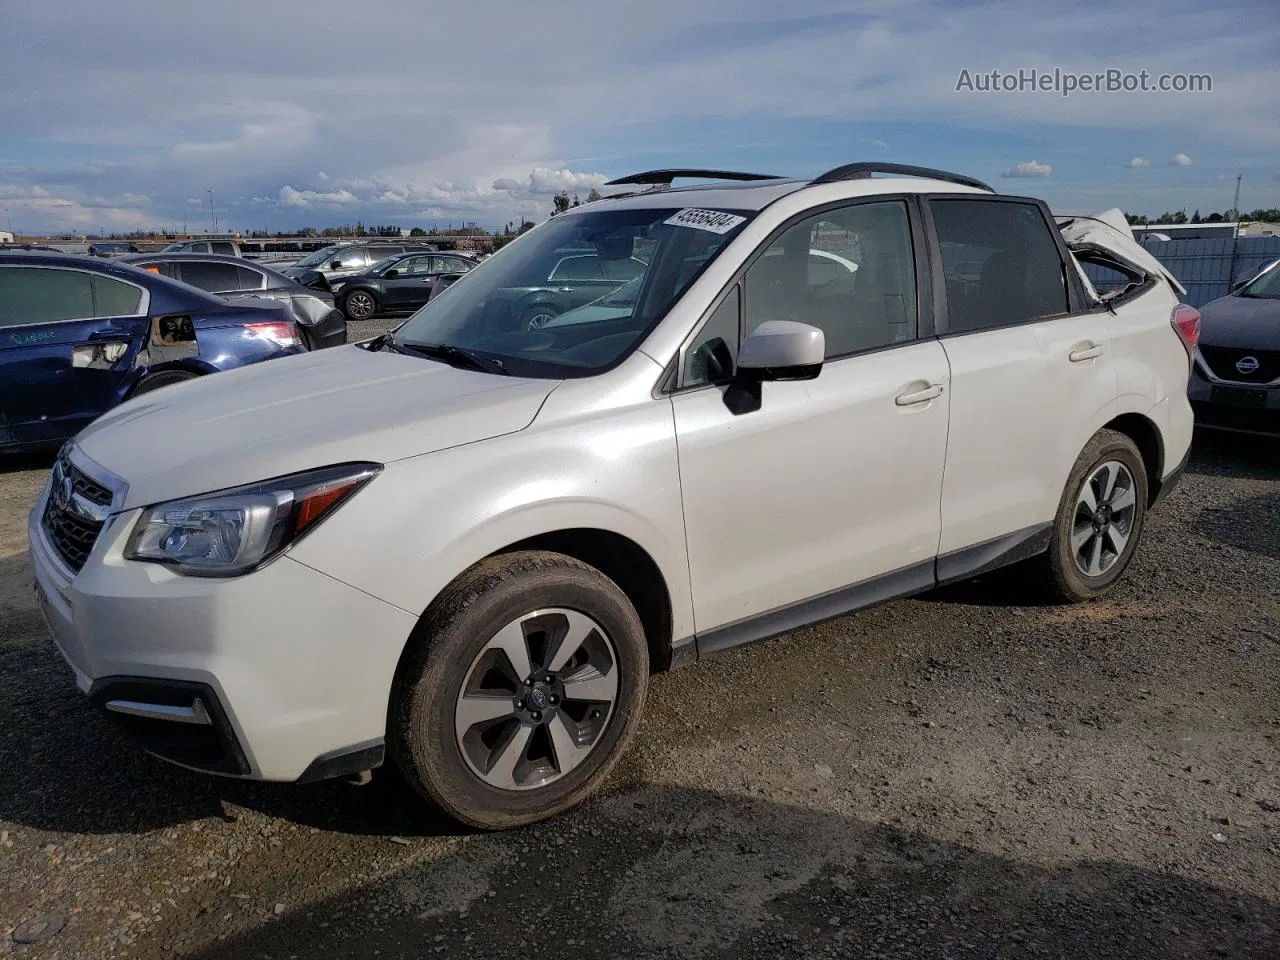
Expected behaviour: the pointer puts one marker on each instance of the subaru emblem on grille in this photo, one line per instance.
(62, 486)
(1248, 365)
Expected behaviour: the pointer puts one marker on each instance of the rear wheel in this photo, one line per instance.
(360, 305)
(166, 378)
(520, 690)
(1099, 521)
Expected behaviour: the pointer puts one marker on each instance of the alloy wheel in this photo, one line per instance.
(537, 699)
(360, 306)
(1103, 522)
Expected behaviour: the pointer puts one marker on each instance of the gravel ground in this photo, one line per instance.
(953, 776)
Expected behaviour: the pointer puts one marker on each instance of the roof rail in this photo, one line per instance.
(664, 177)
(860, 171)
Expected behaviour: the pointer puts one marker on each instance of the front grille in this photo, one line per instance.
(72, 534)
(1222, 361)
(90, 489)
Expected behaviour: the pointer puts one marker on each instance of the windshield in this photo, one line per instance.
(319, 257)
(507, 307)
(1264, 287)
(171, 248)
(382, 264)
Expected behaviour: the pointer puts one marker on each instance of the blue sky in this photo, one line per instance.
(124, 115)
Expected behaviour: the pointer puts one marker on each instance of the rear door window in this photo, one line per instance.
(224, 247)
(1001, 264)
(211, 276)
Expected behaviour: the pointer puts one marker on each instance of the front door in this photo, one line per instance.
(828, 491)
(67, 343)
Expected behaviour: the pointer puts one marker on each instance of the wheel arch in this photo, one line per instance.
(628, 565)
(1145, 434)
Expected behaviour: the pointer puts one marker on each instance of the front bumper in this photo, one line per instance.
(1234, 407)
(292, 669)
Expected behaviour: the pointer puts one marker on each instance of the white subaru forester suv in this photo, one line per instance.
(466, 544)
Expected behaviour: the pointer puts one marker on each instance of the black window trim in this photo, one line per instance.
(669, 385)
(1078, 304)
(144, 302)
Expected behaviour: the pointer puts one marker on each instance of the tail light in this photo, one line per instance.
(1186, 321)
(286, 334)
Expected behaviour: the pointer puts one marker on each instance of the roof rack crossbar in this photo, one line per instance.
(860, 171)
(664, 177)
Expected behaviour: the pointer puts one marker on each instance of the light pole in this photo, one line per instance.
(213, 217)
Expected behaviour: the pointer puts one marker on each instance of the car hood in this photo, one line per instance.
(296, 413)
(1249, 323)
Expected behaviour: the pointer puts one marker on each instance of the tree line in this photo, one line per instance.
(1178, 217)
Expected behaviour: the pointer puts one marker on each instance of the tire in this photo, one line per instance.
(513, 766)
(166, 378)
(360, 305)
(537, 316)
(1083, 563)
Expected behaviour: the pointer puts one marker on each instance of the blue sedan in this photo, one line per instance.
(79, 335)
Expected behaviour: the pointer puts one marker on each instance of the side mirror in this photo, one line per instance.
(393, 272)
(1238, 285)
(782, 350)
(335, 264)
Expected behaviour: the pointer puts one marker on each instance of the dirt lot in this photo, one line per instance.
(951, 776)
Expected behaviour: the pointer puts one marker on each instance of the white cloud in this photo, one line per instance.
(21, 191)
(878, 144)
(321, 175)
(1180, 160)
(289, 197)
(1137, 163)
(1029, 169)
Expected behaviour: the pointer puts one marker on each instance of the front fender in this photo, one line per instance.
(425, 520)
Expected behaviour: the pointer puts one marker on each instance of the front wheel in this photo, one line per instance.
(1099, 521)
(360, 305)
(520, 690)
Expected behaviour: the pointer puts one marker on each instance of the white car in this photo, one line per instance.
(465, 545)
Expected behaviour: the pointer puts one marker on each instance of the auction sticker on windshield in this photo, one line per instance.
(712, 220)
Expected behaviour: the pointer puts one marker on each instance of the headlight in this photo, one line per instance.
(336, 286)
(230, 532)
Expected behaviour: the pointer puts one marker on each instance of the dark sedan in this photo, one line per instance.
(80, 335)
(1235, 383)
(398, 284)
(320, 323)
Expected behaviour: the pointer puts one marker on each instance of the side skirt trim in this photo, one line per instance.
(993, 554)
(837, 603)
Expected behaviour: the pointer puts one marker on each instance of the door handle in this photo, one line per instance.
(1085, 351)
(911, 397)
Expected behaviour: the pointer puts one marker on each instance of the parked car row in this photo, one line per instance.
(80, 335)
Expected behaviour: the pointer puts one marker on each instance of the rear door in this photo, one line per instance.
(1032, 370)
(68, 339)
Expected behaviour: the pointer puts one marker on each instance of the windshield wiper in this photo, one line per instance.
(384, 341)
(456, 356)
